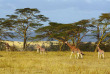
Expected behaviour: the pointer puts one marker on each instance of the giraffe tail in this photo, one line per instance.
(82, 53)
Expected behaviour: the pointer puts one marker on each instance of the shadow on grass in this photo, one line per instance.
(1, 55)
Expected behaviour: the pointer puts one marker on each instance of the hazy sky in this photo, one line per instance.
(61, 11)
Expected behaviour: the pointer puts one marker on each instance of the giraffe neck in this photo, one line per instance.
(73, 48)
(99, 49)
(69, 45)
(7, 45)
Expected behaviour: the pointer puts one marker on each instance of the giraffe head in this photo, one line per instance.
(66, 42)
(37, 45)
(6, 44)
(97, 45)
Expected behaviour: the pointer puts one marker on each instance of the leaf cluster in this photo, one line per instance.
(59, 31)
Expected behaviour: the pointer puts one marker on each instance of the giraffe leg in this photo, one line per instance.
(9, 49)
(37, 50)
(98, 55)
(77, 55)
(81, 55)
(71, 54)
(103, 55)
(44, 52)
(41, 52)
(6, 49)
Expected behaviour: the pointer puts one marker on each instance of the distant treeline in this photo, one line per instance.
(51, 46)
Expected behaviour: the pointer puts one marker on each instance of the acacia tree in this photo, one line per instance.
(96, 30)
(5, 27)
(2, 33)
(103, 28)
(81, 32)
(63, 32)
(26, 20)
(55, 31)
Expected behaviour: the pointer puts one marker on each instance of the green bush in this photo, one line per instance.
(87, 46)
(2, 46)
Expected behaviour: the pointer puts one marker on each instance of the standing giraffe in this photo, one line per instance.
(100, 52)
(74, 50)
(7, 47)
(41, 49)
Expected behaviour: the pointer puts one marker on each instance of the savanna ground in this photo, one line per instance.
(31, 62)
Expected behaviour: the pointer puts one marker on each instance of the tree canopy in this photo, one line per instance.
(25, 21)
(64, 32)
(5, 27)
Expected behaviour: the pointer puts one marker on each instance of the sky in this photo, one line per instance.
(61, 11)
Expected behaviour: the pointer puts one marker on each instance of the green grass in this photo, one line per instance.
(52, 63)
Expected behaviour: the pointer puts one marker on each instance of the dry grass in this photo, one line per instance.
(52, 63)
(31, 62)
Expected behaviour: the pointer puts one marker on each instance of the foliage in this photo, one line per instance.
(84, 28)
(2, 46)
(103, 29)
(5, 27)
(64, 32)
(25, 21)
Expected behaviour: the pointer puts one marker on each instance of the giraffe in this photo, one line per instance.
(100, 52)
(74, 50)
(41, 49)
(38, 48)
(7, 47)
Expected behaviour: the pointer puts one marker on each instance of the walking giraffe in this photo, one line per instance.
(74, 50)
(100, 52)
(41, 49)
(7, 47)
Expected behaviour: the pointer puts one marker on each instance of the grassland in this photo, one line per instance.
(31, 62)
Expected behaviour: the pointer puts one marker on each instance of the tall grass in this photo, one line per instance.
(52, 63)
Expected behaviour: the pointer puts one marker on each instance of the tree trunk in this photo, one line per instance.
(102, 36)
(60, 44)
(98, 36)
(24, 44)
